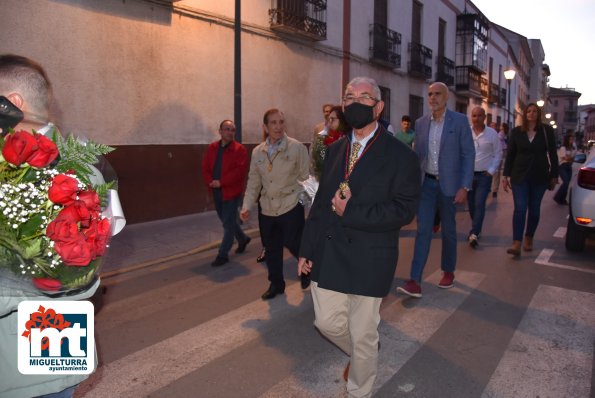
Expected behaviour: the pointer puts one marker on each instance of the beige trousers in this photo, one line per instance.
(351, 322)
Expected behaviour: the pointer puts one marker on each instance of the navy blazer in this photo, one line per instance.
(456, 160)
(357, 253)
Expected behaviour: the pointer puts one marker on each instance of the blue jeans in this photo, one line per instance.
(527, 197)
(565, 171)
(432, 198)
(482, 184)
(227, 210)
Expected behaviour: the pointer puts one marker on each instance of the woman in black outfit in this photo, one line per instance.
(530, 168)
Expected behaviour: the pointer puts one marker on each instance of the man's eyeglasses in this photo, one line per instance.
(360, 99)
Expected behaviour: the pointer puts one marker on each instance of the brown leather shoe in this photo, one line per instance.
(515, 249)
(528, 243)
(346, 372)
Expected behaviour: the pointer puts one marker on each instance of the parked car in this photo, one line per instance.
(581, 218)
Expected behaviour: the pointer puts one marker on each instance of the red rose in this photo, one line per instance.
(76, 252)
(63, 189)
(45, 154)
(91, 200)
(98, 235)
(332, 136)
(47, 284)
(63, 230)
(18, 147)
(76, 212)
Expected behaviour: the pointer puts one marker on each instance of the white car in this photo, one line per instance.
(581, 218)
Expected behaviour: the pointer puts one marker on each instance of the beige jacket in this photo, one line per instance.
(278, 187)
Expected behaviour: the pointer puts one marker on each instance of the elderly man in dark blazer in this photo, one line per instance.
(447, 157)
(369, 189)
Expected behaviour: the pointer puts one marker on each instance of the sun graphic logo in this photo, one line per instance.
(56, 337)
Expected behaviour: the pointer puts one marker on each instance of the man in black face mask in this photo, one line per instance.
(368, 190)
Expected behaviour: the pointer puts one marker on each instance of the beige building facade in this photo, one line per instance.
(155, 77)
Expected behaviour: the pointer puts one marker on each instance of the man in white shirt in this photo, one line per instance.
(488, 155)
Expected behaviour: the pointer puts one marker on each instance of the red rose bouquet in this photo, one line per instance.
(52, 232)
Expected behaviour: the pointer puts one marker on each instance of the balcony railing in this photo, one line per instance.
(467, 81)
(570, 116)
(446, 71)
(420, 60)
(385, 46)
(484, 87)
(494, 97)
(305, 18)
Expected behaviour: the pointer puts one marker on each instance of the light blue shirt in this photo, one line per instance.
(436, 126)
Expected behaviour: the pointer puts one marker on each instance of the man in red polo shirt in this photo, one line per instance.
(224, 170)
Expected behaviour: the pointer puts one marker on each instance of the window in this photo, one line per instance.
(385, 93)
(441, 36)
(416, 22)
(472, 41)
(416, 107)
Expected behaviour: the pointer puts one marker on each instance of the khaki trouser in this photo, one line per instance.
(351, 322)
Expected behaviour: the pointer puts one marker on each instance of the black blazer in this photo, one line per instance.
(526, 159)
(357, 253)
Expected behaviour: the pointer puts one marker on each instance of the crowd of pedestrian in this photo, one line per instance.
(372, 182)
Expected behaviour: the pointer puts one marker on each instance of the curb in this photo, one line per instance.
(213, 245)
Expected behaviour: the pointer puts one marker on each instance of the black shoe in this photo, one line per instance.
(262, 258)
(272, 292)
(242, 246)
(305, 280)
(219, 261)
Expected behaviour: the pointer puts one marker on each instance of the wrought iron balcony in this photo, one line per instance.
(305, 18)
(570, 116)
(494, 97)
(420, 61)
(446, 71)
(385, 46)
(484, 87)
(468, 81)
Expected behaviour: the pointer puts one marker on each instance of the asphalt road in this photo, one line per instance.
(509, 328)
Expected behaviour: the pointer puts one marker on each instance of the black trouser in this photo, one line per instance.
(278, 232)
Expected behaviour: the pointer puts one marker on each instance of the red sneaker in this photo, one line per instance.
(447, 280)
(411, 288)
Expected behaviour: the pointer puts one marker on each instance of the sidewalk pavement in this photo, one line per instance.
(149, 243)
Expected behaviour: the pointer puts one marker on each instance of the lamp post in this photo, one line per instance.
(540, 103)
(509, 75)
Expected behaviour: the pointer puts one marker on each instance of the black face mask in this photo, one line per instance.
(359, 115)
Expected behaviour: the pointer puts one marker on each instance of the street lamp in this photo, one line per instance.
(540, 103)
(509, 75)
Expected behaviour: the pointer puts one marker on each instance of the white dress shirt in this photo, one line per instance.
(488, 150)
